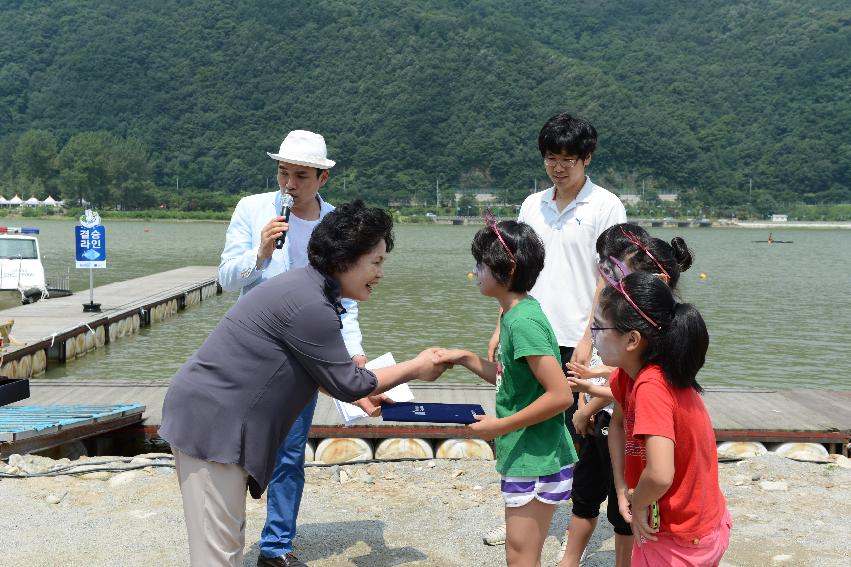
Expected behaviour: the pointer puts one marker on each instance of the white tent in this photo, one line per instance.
(49, 202)
(3, 200)
(15, 200)
(32, 202)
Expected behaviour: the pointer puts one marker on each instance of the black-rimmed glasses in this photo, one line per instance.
(565, 163)
(595, 332)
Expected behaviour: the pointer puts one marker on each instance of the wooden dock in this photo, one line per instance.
(767, 415)
(58, 328)
(25, 429)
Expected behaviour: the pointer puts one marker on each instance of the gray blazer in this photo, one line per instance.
(236, 398)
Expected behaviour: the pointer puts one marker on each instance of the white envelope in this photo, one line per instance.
(351, 413)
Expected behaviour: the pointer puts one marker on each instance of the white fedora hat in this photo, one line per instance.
(304, 148)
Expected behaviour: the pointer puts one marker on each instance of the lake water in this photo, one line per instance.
(778, 315)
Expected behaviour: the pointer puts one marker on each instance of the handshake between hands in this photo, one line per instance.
(487, 427)
(428, 366)
(434, 361)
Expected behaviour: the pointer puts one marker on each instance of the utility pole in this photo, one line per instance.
(750, 187)
(437, 190)
(178, 184)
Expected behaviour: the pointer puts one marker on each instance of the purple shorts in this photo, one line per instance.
(550, 489)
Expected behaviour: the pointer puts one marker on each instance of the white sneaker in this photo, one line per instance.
(496, 536)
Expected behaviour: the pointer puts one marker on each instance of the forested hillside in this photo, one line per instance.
(115, 101)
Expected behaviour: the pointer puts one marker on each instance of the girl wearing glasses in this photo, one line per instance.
(660, 437)
(534, 451)
(627, 248)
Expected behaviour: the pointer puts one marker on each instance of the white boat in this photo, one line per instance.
(20, 264)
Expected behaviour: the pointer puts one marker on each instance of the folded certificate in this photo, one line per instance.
(434, 413)
(351, 413)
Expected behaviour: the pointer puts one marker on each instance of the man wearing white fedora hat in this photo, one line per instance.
(250, 257)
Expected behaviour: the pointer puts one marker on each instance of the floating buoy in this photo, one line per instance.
(702, 275)
(24, 370)
(343, 450)
(810, 452)
(399, 448)
(39, 362)
(471, 276)
(100, 336)
(70, 348)
(309, 453)
(81, 344)
(465, 449)
(146, 229)
(740, 449)
(91, 341)
(10, 368)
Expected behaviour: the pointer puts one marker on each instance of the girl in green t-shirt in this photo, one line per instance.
(534, 452)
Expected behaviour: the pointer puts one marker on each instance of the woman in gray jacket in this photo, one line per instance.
(230, 406)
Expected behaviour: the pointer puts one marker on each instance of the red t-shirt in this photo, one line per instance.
(694, 504)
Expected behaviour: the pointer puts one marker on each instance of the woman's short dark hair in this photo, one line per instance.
(568, 134)
(523, 242)
(680, 346)
(347, 233)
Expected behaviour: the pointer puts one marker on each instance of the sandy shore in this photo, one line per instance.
(409, 513)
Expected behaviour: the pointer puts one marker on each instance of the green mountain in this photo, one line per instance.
(702, 98)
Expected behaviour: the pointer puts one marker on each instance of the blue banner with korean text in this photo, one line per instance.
(91, 246)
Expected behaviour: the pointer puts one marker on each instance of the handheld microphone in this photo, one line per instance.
(286, 205)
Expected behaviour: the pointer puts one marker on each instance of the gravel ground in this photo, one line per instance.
(409, 513)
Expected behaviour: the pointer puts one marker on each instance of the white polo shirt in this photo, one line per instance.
(565, 287)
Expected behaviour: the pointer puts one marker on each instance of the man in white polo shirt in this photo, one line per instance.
(569, 216)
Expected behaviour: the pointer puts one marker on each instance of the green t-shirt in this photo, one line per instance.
(546, 447)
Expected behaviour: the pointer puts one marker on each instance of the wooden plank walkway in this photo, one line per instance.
(48, 323)
(818, 416)
(33, 428)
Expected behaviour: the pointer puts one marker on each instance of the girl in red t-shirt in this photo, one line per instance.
(661, 439)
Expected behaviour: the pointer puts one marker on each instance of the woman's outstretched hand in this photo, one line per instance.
(372, 404)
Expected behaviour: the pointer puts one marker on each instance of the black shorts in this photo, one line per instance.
(592, 478)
